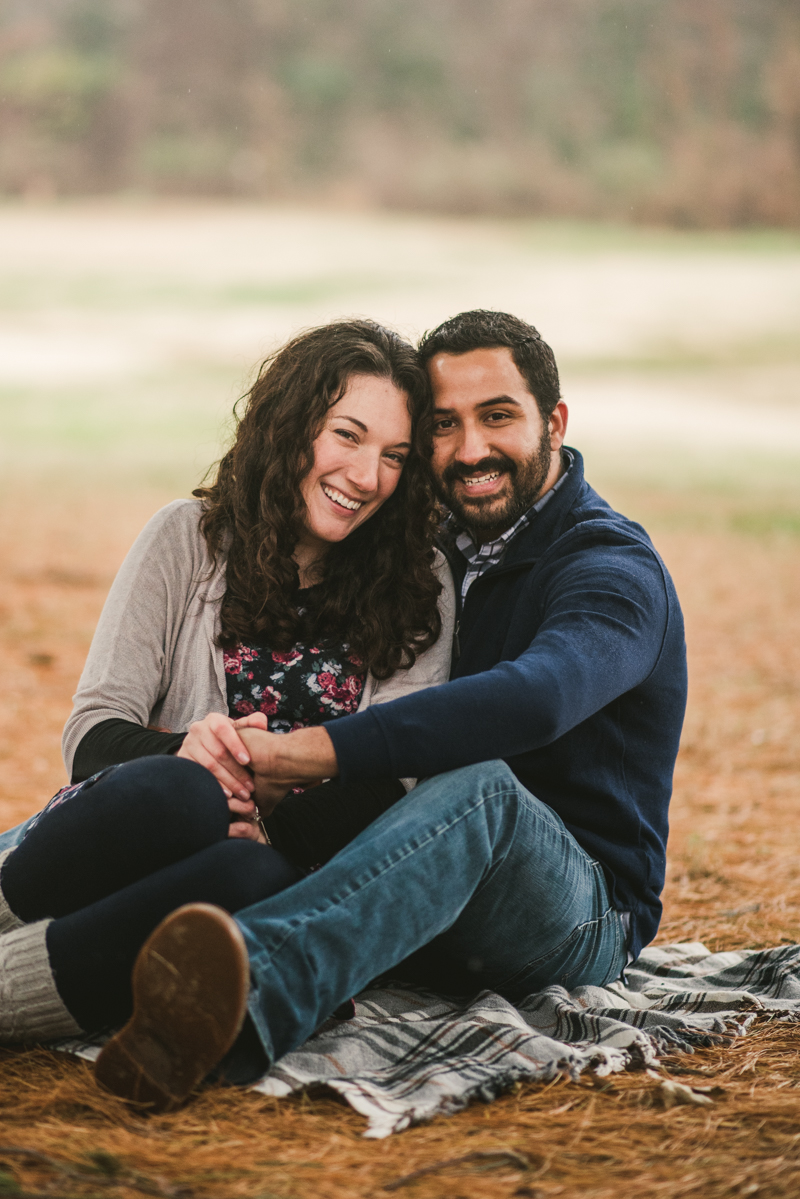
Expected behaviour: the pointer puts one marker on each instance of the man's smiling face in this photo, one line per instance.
(493, 453)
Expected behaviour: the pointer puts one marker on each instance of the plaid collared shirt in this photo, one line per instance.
(481, 557)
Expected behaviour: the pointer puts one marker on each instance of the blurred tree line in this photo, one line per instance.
(685, 111)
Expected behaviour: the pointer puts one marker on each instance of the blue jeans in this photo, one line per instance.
(470, 861)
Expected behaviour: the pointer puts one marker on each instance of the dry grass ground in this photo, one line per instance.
(125, 332)
(733, 881)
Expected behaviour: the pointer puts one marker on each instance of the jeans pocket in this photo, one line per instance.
(601, 960)
(549, 969)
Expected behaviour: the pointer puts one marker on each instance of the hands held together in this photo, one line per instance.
(256, 768)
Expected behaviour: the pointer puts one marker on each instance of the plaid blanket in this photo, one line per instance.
(408, 1055)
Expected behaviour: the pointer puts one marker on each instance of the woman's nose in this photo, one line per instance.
(363, 472)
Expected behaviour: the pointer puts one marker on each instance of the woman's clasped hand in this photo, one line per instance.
(214, 742)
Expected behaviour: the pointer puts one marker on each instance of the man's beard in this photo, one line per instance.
(491, 514)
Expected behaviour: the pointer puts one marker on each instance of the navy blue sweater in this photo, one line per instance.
(573, 669)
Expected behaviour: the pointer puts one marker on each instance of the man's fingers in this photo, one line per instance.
(243, 830)
(242, 807)
(262, 747)
(268, 795)
(256, 720)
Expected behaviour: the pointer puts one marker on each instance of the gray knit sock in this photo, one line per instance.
(7, 918)
(31, 1008)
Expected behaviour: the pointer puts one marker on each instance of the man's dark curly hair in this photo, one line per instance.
(377, 588)
(484, 330)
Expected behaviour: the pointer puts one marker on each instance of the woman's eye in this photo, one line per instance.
(347, 433)
(396, 459)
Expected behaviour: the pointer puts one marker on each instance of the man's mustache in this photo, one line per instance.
(458, 470)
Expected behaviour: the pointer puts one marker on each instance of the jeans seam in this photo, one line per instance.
(334, 900)
(618, 945)
(573, 933)
(567, 840)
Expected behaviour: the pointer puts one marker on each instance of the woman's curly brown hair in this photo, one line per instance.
(377, 588)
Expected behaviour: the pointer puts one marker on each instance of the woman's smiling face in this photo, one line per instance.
(358, 459)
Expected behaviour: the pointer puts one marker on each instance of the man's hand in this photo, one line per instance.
(280, 761)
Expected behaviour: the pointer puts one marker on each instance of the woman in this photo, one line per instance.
(299, 586)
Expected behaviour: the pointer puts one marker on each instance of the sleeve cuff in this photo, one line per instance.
(362, 750)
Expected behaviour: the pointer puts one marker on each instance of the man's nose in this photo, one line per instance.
(473, 445)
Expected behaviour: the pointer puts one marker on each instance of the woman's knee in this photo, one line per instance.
(176, 798)
(151, 811)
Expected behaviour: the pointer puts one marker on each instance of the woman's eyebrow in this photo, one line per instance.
(361, 425)
(398, 445)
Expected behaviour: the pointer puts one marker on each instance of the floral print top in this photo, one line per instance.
(306, 686)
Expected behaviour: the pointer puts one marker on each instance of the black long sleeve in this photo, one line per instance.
(116, 740)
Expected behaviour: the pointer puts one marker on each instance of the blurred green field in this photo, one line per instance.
(127, 332)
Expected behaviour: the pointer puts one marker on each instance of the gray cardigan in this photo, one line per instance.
(154, 658)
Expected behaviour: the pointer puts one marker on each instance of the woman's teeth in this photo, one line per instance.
(338, 498)
(482, 479)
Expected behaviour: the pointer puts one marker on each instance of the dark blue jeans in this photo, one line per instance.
(471, 865)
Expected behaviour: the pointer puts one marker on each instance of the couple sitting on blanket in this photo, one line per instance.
(523, 659)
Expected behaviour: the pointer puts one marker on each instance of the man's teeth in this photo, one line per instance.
(338, 498)
(482, 479)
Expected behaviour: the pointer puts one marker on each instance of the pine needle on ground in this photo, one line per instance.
(733, 882)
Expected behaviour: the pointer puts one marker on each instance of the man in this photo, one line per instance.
(533, 851)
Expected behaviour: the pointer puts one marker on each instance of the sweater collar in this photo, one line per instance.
(540, 533)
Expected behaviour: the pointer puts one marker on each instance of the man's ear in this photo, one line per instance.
(558, 425)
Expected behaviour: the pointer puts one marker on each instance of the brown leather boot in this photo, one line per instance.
(190, 985)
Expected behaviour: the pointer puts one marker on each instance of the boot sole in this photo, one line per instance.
(190, 985)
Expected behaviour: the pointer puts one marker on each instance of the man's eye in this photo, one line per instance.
(442, 426)
(498, 416)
